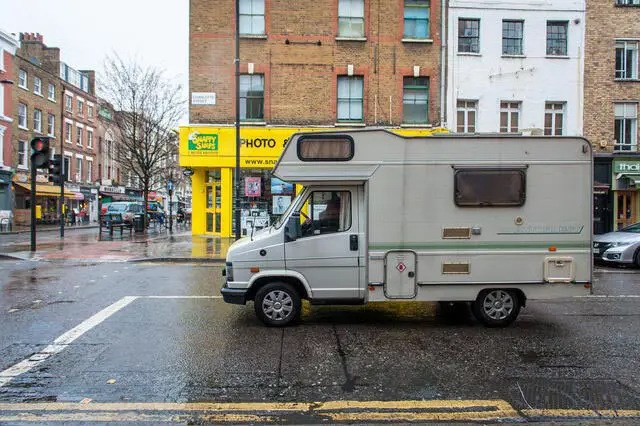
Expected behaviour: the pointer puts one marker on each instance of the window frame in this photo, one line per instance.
(416, 88)
(633, 127)
(251, 16)
(565, 47)
(461, 37)
(89, 139)
(24, 165)
(416, 4)
(521, 39)
(628, 3)
(351, 18)
(68, 127)
(23, 118)
(549, 109)
(89, 174)
(23, 79)
(51, 125)
(68, 103)
(302, 138)
(308, 201)
(78, 174)
(37, 123)
(80, 107)
(247, 97)
(79, 131)
(624, 61)
(457, 171)
(350, 78)
(465, 109)
(49, 92)
(37, 85)
(510, 111)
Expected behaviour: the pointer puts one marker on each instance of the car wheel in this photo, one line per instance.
(277, 304)
(637, 258)
(496, 307)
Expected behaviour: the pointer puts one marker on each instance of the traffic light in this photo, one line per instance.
(40, 153)
(55, 169)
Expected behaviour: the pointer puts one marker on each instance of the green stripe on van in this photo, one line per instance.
(469, 245)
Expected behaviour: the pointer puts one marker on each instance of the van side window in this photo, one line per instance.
(329, 212)
(489, 187)
(325, 148)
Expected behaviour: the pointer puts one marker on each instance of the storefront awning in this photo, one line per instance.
(43, 190)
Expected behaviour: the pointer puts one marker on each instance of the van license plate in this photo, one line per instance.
(596, 251)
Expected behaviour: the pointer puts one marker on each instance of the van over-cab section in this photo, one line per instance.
(490, 220)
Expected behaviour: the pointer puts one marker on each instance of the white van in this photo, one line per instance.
(491, 220)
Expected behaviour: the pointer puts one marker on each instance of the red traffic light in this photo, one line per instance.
(40, 144)
(37, 145)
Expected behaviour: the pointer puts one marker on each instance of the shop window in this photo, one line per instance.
(252, 97)
(415, 100)
(325, 148)
(489, 187)
(351, 18)
(416, 19)
(329, 212)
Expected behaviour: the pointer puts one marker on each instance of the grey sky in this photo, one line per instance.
(155, 32)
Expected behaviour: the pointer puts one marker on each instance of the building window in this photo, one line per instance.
(109, 172)
(51, 125)
(512, 37)
(252, 97)
(557, 38)
(351, 18)
(67, 168)
(626, 126)
(78, 169)
(89, 139)
(350, 98)
(466, 116)
(509, 117)
(22, 116)
(554, 118)
(252, 17)
(79, 136)
(80, 107)
(628, 2)
(416, 19)
(626, 60)
(37, 120)
(89, 112)
(469, 35)
(89, 171)
(68, 103)
(22, 79)
(415, 100)
(52, 92)
(22, 155)
(67, 131)
(37, 86)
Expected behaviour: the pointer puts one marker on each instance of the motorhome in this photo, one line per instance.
(495, 221)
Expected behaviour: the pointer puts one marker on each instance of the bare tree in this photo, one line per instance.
(148, 107)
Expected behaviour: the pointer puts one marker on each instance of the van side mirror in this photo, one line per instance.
(292, 228)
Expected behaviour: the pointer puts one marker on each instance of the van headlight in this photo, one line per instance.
(229, 269)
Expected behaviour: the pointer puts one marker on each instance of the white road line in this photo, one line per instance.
(180, 297)
(63, 341)
(603, 296)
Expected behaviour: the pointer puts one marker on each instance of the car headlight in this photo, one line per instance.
(229, 271)
(620, 244)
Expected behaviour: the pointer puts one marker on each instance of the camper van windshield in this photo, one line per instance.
(280, 220)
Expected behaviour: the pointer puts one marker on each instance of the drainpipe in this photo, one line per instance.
(443, 50)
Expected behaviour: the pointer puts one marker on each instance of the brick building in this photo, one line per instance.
(304, 64)
(52, 99)
(8, 46)
(611, 97)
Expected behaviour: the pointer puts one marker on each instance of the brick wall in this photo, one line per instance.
(606, 22)
(301, 76)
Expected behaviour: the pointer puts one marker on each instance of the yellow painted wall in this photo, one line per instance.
(204, 148)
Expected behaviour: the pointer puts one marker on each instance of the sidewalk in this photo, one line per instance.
(19, 229)
(158, 245)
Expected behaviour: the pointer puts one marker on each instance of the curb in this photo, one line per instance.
(69, 228)
(216, 261)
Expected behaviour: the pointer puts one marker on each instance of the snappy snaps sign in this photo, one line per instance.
(203, 142)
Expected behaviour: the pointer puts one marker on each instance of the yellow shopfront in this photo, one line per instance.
(210, 152)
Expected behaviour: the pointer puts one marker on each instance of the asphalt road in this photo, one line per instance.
(154, 342)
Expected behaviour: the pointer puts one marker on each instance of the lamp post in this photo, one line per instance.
(237, 177)
(170, 191)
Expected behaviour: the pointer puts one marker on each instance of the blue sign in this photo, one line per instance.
(170, 186)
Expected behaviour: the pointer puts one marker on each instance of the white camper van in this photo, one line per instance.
(490, 220)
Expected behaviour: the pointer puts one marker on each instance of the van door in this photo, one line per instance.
(327, 251)
(400, 274)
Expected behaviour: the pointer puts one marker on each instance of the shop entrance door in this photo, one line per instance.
(626, 209)
(212, 207)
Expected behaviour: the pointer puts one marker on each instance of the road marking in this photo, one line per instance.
(603, 296)
(179, 297)
(569, 413)
(260, 412)
(63, 341)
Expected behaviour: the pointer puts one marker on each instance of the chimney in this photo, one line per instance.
(39, 38)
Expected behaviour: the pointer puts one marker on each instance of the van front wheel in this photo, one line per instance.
(277, 304)
(496, 307)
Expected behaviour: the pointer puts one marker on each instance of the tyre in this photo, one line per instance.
(496, 307)
(277, 304)
(637, 259)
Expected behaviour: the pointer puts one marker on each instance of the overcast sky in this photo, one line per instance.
(153, 31)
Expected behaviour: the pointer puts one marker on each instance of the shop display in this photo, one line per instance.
(280, 187)
(280, 203)
(252, 186)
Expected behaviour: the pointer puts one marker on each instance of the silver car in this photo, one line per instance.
(620, 247)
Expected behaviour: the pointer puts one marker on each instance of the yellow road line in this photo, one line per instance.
(134, 417)
(571, 413)
(409, 416)
(337, 405)
(156, 406)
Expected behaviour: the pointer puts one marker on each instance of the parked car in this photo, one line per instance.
(127, 209)
(619, 247)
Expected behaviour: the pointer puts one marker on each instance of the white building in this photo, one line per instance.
(515, 66)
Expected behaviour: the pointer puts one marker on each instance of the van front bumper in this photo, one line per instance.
(237, 296)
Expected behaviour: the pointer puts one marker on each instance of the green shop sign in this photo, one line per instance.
(203, 142)
(624, 166)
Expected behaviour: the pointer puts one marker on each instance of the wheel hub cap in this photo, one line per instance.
(277, 305)
(498, 304)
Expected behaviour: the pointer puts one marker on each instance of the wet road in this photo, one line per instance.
(154, 342)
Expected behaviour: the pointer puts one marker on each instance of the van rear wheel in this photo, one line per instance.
(496, 307)
(277, 304)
